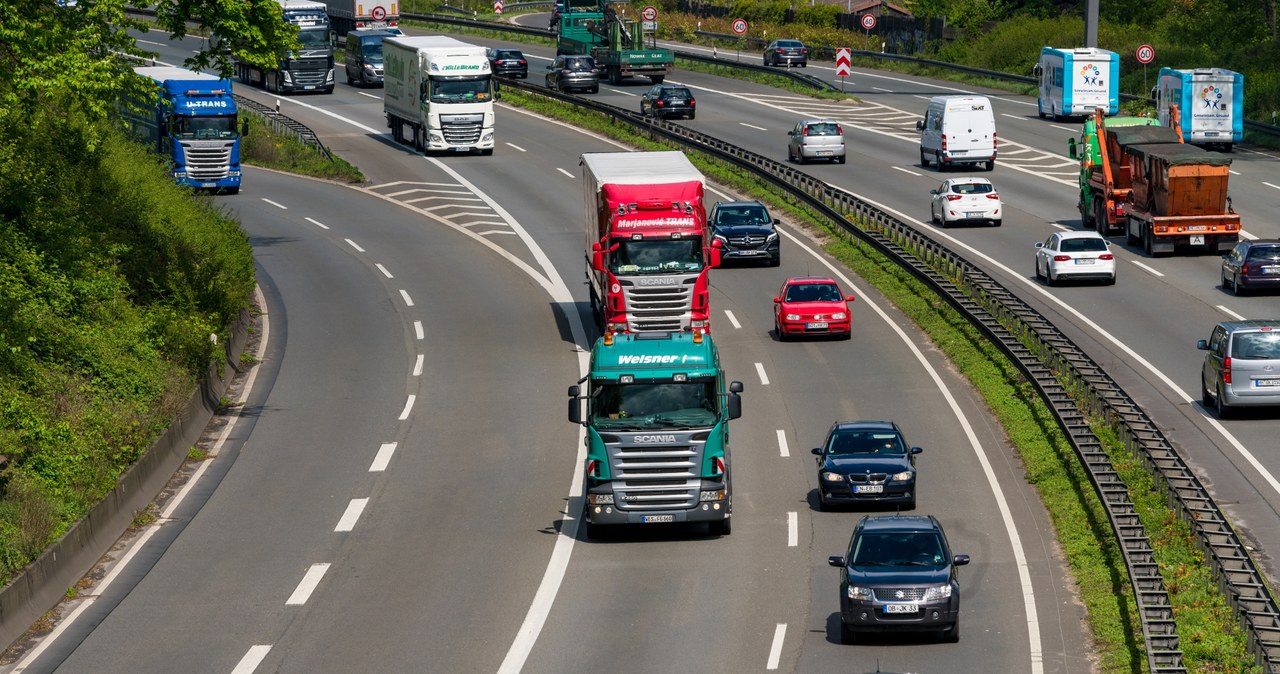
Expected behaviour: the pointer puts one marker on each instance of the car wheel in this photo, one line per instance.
(847, 636)
(722, 528)
(775, 261)
(692, 115)
(595, 89)
(782, 336)
(1039, 275)
(924, 160)
(1206, 399)
(1049, 278)
(1225, 284)
(997, 222)
(1220, 400)
(937, 158)
(1111, 281)
(911, 505)
(952, 635)
(351, 81)
(991, 165)
(933, 217)
(1235, 286)
(840, 159)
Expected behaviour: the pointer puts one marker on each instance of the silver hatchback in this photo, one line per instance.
(1242, 366)
(816, 139)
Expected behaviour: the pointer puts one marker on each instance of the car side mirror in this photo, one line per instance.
(735, 387)
(920, 125)
(1039, 244)
(777, 300)
(777, 221)
(816, 451)
(1203, 345)
(960, 560)
(917, 450)
(551, 67)
(850, 298)
(934, 192)
(835, 560)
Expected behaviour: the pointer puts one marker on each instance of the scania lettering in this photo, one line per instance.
(308, 70)
(438, 94)
(657, 414)
(193, 122)
(648, 252)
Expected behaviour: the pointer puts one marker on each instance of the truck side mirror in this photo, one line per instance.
(1071, 149)
(920, 125)
(717, 253)
(735, 406)
(735, 387)
(597, 256)
(575, 405)
(1037, 70)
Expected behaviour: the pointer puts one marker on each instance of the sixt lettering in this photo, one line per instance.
(655, 438)
(205, 104)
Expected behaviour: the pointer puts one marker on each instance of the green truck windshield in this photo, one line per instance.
(637, 407)
(659, 256)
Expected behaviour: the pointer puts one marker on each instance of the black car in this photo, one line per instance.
(866, 462)
(745, 232)
(668, 100)
(1252, 265)
(789, 52)
(508, 62)
(573, 72)
(899, 575)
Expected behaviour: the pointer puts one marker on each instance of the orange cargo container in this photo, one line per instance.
(1178, 197)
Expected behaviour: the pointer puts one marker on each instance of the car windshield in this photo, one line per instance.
(372, 51)
(658, 256)
(915, 548)
(742, 215)
(812, 292)
(204, 128)
(865, 442)
(1256, 346)
(823, 129)
(654, 406)
(972, 188)
(460, 90)
(1089, 245)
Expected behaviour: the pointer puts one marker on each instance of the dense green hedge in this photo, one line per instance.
(112, 280)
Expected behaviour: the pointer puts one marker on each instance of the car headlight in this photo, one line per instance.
(839, 316)
(938, 592)
(863, 593)
(904, 475)
(773, 236)
(721, 237)
(793, 317)
(832, 477)
(368, 67)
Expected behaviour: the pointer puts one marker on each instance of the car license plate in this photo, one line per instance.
(869, 489)
(973, 214)
(1266, 382)
(749, 252)
(657, 519)
(1197, 239)
(901, 608)
(816, 326)
(1271, 270)
(1086, 260)
(822, 152)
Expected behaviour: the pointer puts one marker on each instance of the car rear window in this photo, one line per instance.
(790, 44)
(824, 129)
(813, 292)
(579, 64)
(1256, 346)
(973, 188)
(1083, 245)
(508, 54)
(1264, 252)
(682, 94)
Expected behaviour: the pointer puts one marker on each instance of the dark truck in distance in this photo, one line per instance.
(593, 27)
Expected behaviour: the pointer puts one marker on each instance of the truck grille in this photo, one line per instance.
(655, 477)
(461, 133)
(665, 308)
(206, 159)
(310, 72)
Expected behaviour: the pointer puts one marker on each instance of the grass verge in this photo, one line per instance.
(1210, 638)
(264, 147)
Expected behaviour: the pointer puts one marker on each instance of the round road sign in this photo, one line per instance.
(1146, 54)
(739, 26)
(379, 13)
(649, 13)
(868, 21)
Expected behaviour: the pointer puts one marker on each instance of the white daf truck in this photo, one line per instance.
(439, 94)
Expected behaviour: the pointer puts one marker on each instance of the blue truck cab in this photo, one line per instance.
(195, 124)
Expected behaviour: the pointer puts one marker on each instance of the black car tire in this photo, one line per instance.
(847, 636)
(775, 261)
(911, 505)
(1206, 400)
(692, 115)
(595, 89)
(952, 635)
(1235, 286)
(1220, 401)
(822, 503)
(924, 160)
(722, 528)
(840, 160)
(782, 336)
(937, 159)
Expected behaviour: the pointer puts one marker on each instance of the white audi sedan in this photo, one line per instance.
(1075, 255)
(966, 200)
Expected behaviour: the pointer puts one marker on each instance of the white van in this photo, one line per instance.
(958, 130)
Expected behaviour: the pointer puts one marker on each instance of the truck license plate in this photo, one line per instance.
(656, 519)
(1197, 239)
(901, 608)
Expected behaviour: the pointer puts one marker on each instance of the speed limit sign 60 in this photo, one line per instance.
(868, 21)
(739, 26)
(1146, 54)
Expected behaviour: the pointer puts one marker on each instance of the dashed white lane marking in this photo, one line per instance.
(1233, 172)
(317, 223)
(282, 206)
(383, 457)
(1147, 268)
(764, 378)
(1270, 185)
(405, 294)
(353, 244)
(887, 91)
(1230, 313)
(1005, 114)
(308, 585)
(1059, 225)
(793, 529)
(408, 407)
(899, 168)
(417, 366)
(783, 450)
(365, 93)
(565, 172)
(775, 651)
(924, 98)
(625, 93)
(252, 659)
(1065, 128)
(354, 509)
(733, 319)
(417, 330)
(753, 126)
(383, 270)
(517, 147)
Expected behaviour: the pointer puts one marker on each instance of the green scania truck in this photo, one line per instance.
(657, 418)
(593, 27)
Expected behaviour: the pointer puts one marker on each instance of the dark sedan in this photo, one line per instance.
(1252, 265)
(508, 62)
(866, 462)
(786, 52)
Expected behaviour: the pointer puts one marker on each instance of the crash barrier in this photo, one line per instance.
(282, 125)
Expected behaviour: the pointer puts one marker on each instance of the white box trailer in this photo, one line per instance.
(1210, 103)
(439, 94)
(1073, 82)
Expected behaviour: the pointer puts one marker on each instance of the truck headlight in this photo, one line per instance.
(233, 174)
(699, 324)
(832, 477)
(862, 593)
(711, 495)
(179, 174)
(487, 137)
(287, 77)
(436, 138)
(600, 499)
(904, 475)
(329, 77)
(937, 592)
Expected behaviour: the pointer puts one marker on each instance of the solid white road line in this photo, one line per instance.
(317, 223)
(417, 329)
(277, 205)
(353, 244)
(783, 450)
(383, 270)
(565, 172)
(1147, 268)
(417, 366)
(308, 585)
(764, 378)
(251, 660)
(383, 457)
(408, 407)
(733, 319)
(887, 91)
(793, 529)
(1230, 313)
(405, 294)
(775, 651)
(348, 520)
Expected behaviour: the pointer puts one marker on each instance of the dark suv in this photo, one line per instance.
(746, 232)
(668, 100)
(508, 62)
(866, 462)
(899, 575)
(573, 72)
(1252, 264)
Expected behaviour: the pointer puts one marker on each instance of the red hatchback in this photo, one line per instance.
(811, 305)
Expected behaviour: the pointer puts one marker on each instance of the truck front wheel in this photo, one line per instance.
(657, 79)
(722, 528)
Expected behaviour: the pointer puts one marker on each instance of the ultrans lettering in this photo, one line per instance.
(193, 123)
(648, 253)
(658, 433)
